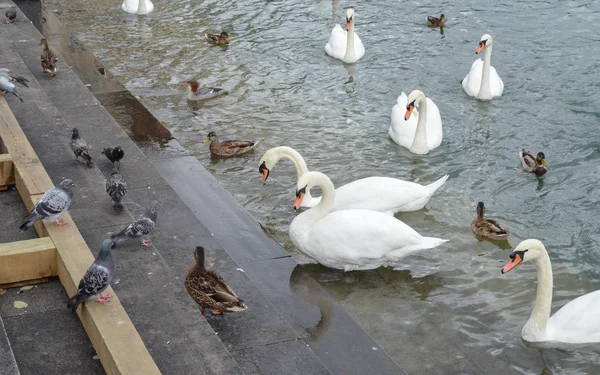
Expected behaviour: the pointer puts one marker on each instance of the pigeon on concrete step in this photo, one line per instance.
(11, 14)
(52, 204)
(7, 86)
(96, 279)
(114, 154)
(141, 227)
(116, 187)
(80, 148)
(13, 77)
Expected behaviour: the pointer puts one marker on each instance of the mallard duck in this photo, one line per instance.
(209, 289)
(436, 22)
(49, 59)
(218, 39)
(201, 93)
(228, 148)
(536, 165)
(488, 228)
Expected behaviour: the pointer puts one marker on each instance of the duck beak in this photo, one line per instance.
(480, 47)
(184, 84)
(512, 263)
(544, 163)
(409, 110)
(206, 140)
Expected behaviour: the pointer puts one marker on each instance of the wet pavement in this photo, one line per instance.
(292, 325)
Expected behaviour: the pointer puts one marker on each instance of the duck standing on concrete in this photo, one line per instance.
(201, 93)
(218, 39)
(209, 289)
(53, 203)
(114, 154)
(96, 279)
(488, 228)
(141, 227)
(116, 187)
(80, 148)
(228, 148)
(11, 14)
(49, 59)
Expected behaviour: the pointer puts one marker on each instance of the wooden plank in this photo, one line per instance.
(28, 282)
(29, 168)
(7, 176)
(27, 260)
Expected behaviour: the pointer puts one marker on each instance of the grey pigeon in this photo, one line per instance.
(96, 279)
(13, 77)
(114, 154)
(7, 86)
(116, 187)
(80, 148)
(11, 14)
(142, 226)
(52, 204)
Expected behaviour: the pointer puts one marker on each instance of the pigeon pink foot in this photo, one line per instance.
(103, 298)
(146, 243)
(60, 223)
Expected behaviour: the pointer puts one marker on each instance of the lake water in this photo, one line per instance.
(449, 310)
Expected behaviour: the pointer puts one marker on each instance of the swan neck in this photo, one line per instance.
(296, 159)
(350, 41)
(421, 133)
(536, 325)
(327, 196)
(484, 89)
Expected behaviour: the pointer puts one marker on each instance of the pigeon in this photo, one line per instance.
(142, 226)
(114, 154)
(116, 187)
(7, 86)
(52, 204)
(96, 279)
(11, 14)
(80, 149)
(13, 77)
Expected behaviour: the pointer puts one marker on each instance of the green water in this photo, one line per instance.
(453, 312)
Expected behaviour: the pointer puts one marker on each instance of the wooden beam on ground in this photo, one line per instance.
(27, 260)
(117, 343)
(7, 176)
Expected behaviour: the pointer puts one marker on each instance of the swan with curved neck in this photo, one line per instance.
(576, 322)
(354, 239)
(383, 194)
(137, 6)
(345, 45)
(419, 136)
(483, 81)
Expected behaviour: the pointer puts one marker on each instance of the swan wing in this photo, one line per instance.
(130, 6)
(577, 321)
(433, 127)
(472, 81)
(336, 46)
(403, 132)
(383, 194)
(359, 48)
(360, 239)
(496, 84)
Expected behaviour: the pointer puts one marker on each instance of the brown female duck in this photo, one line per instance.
(218, 39)
(536, 165)
(49, 59)
(436, 22)
(488, 228)
(228, 148)
(209, 290)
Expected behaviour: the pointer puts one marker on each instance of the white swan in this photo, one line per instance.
(345, 45)
(576, 322)
(350, 239)
(420, 133)
(137, 6)
(383, 194)
(483, 82)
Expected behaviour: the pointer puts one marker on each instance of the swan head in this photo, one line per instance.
(267, 162)
(413, 98)
(212, 136)
(526, 251)
(349, 17)
(486, 41)
(305, 183)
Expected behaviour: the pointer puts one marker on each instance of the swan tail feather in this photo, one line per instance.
(437, 184)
